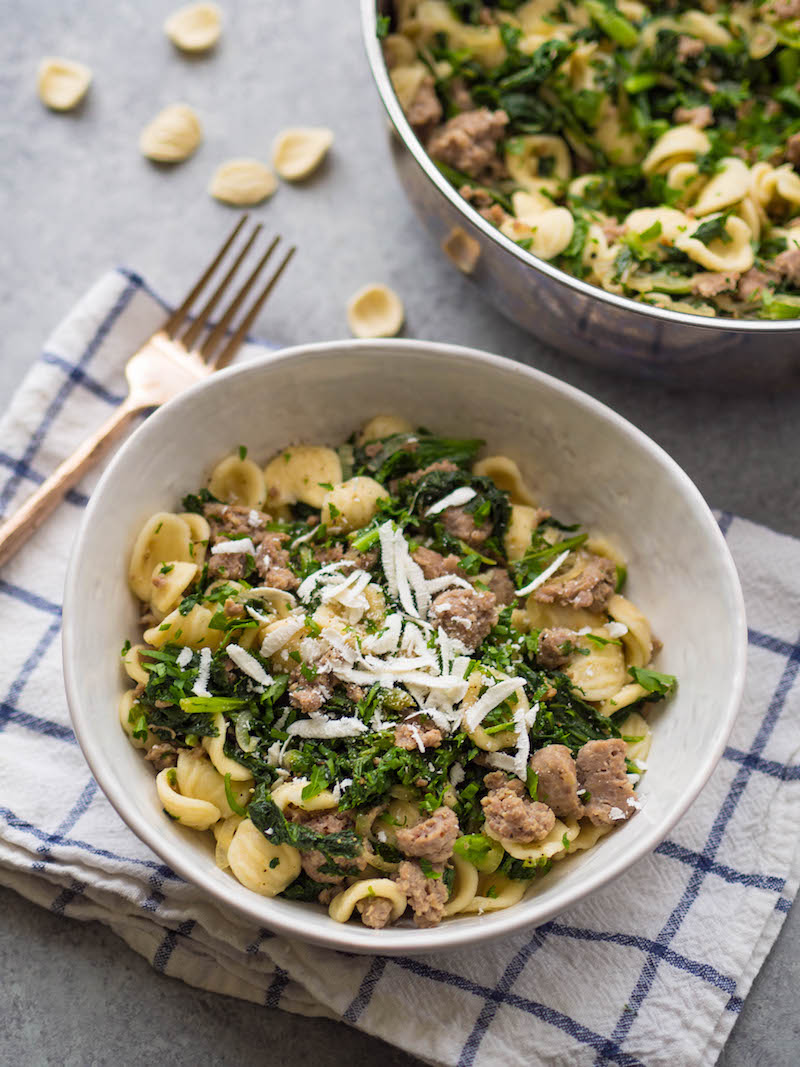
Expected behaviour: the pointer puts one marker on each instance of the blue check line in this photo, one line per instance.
(724, 522)
(549, 1015)
(57, 403)
(773, 644)
(18, 823)
(503, 987)
(254, 947)
(701, 862)
(22, 470)
(66, 896)
(22, 679)
(771, 768)
(33, 600)
(670, 928)
(78, 809)
(276, 988)
(362, 998)
(80, 377)
(45, 727)
(167, 946)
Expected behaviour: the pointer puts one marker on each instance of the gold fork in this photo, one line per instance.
(169, 362)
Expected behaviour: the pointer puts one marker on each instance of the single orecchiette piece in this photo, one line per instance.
(169, 582)
(195, 27)
(673, 223)
(292, 793)
(301, 473)
(298, 152)
(172, 136)
(191, 630)
(406, 80)
(265, 868)
(200, 533)
(505, 892)
(223, 833)
(375, 311)
(602, 673)
(461, 249)
(706, 28)
(636, 726)
(163, 538)
(380, 426)
(523, 157)
(735, 254)
(521, 524)
(196, 814)
(587, 838)
(133, 665)
(505, 474)
(628, 695)
(197, 777)
(549, 233)
(238, 481)
(215, 747)
(638, 641)
(243, 181)
(62, 83)
(677, 144)
(352, 504)
(566, 830)
(727, 187)
(465, 886)
(342, 906)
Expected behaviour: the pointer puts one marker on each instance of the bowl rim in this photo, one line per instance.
(392, 941)
(424, 161)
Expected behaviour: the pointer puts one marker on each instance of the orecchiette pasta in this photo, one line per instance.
(399, 683)
(668, 111)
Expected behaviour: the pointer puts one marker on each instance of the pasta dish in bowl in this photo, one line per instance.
(632, 155)
(378, 684)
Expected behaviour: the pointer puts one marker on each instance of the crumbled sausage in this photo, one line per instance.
(788, 265)
(162, 755)
(233, 610)
(425, 110)
(699, 117)
(230, 565)
(752, 282)
(465, 614)
(689, 47)
(484, 203)
(326, 822)
(375, 911)
(460, 524)
(556, 645)
(469, 141)
(363, 561)
(592, 588)
(225, 520)
(426, 896)
(499, 583)
(272, 562)
(786, 9)
(435, 565)
(792, 150)
(309, 694)
(445, 465)
(558, 781)
(406, 734)
(511, 814)
(432, 839)
(601, 772)
(708, 283)
(460, 95)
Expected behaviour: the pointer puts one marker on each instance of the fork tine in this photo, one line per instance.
(229, 351)
(219, 331)
(189, 338)
(180, 313)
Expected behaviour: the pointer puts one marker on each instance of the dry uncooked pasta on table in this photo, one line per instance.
(385, 678)
(650, 149)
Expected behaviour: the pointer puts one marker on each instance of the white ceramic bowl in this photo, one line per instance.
(586, 463)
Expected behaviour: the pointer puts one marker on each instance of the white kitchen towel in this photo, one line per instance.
(651, 970)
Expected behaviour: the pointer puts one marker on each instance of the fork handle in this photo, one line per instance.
(16, 530)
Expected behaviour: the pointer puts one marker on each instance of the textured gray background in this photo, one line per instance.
(75, 199)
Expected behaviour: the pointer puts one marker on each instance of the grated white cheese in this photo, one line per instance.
(234, 548)
(249, 664)
(255, 519)
(308, 586)
(280, 635)
(616, 629)
(501, 761)
(457, 775)
(184, 657)
(634, 803)
(542, 578)
(452, 500)
(493, 696)
(381, 836)
(436, 585)
(320, 726)
(414, 731)
(387, 639)
(523, 741)
(200, 687)
(304, 537)
(616, 814)
(388, 553)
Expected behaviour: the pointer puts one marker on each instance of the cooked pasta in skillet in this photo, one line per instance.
(385, 678)
(650, 149)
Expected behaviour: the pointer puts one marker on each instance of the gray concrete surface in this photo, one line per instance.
(76, 198)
